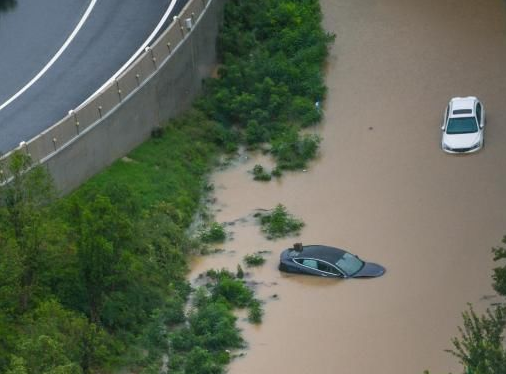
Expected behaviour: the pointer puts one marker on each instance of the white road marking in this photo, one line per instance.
(135, 55)
(55, 57)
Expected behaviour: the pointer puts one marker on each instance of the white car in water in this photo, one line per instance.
(463, 124)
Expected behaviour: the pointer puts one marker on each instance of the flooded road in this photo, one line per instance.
(384, 190)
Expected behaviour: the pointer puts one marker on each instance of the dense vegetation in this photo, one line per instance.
(89, 281)
(96, 281)
(270, 81)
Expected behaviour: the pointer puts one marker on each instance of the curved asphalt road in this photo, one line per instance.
(31, 34)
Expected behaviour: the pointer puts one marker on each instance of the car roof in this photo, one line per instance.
(462, 104)
(320, 252)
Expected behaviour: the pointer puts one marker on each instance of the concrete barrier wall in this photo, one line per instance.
(160, 85)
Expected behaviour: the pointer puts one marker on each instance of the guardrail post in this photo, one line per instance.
(153, 58)
(100, 111)
(54, 143)
(169, 47)
(138, 78)
(176, 18)
(76, 122)
(118, 89)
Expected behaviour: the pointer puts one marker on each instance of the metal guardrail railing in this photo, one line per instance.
(68, 130)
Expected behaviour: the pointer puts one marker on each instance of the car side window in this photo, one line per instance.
(478, 112)
(307, 262)
(327, 268)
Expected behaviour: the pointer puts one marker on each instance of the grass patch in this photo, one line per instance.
(171, 167)
(279, 223)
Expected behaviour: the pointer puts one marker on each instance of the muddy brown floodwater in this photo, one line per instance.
(383, 189)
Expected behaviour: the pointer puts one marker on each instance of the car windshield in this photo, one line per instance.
(350, 264)
(462, 125)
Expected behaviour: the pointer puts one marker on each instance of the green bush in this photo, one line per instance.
(276, 172)
(254, 260)
(255, 312)
(240, 272)
(259, 174)
(293, 151)
(214, 234)
(279, 223)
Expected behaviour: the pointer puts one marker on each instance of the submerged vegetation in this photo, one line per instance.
(203, 344)
(279, 223)
(255, 259)
(96, 281)
(259, 174)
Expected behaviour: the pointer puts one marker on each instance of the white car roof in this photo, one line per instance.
(462, 103)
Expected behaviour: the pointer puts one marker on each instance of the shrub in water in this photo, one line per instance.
(293, 151)
(240, 272)
(214, 234)
(255, 312)
(259, 174)
(254, 260)
(279, 223)
(276, 172)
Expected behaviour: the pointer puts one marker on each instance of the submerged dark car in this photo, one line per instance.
(326, 261)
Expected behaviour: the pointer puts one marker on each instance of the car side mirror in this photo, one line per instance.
(482, 125)
(443, 128)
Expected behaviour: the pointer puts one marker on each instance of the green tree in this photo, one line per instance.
(480, 346)
(103, 234)
(56, 340)
(27, 231)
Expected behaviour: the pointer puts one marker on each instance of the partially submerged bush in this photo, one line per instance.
(254, 260)
(293, 151)
(276, 172)
(279, 223)
(214, 234)
(255, 312)
(240, 273)
(259, 174)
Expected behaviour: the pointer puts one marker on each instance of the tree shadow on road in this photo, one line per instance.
(6, 5)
